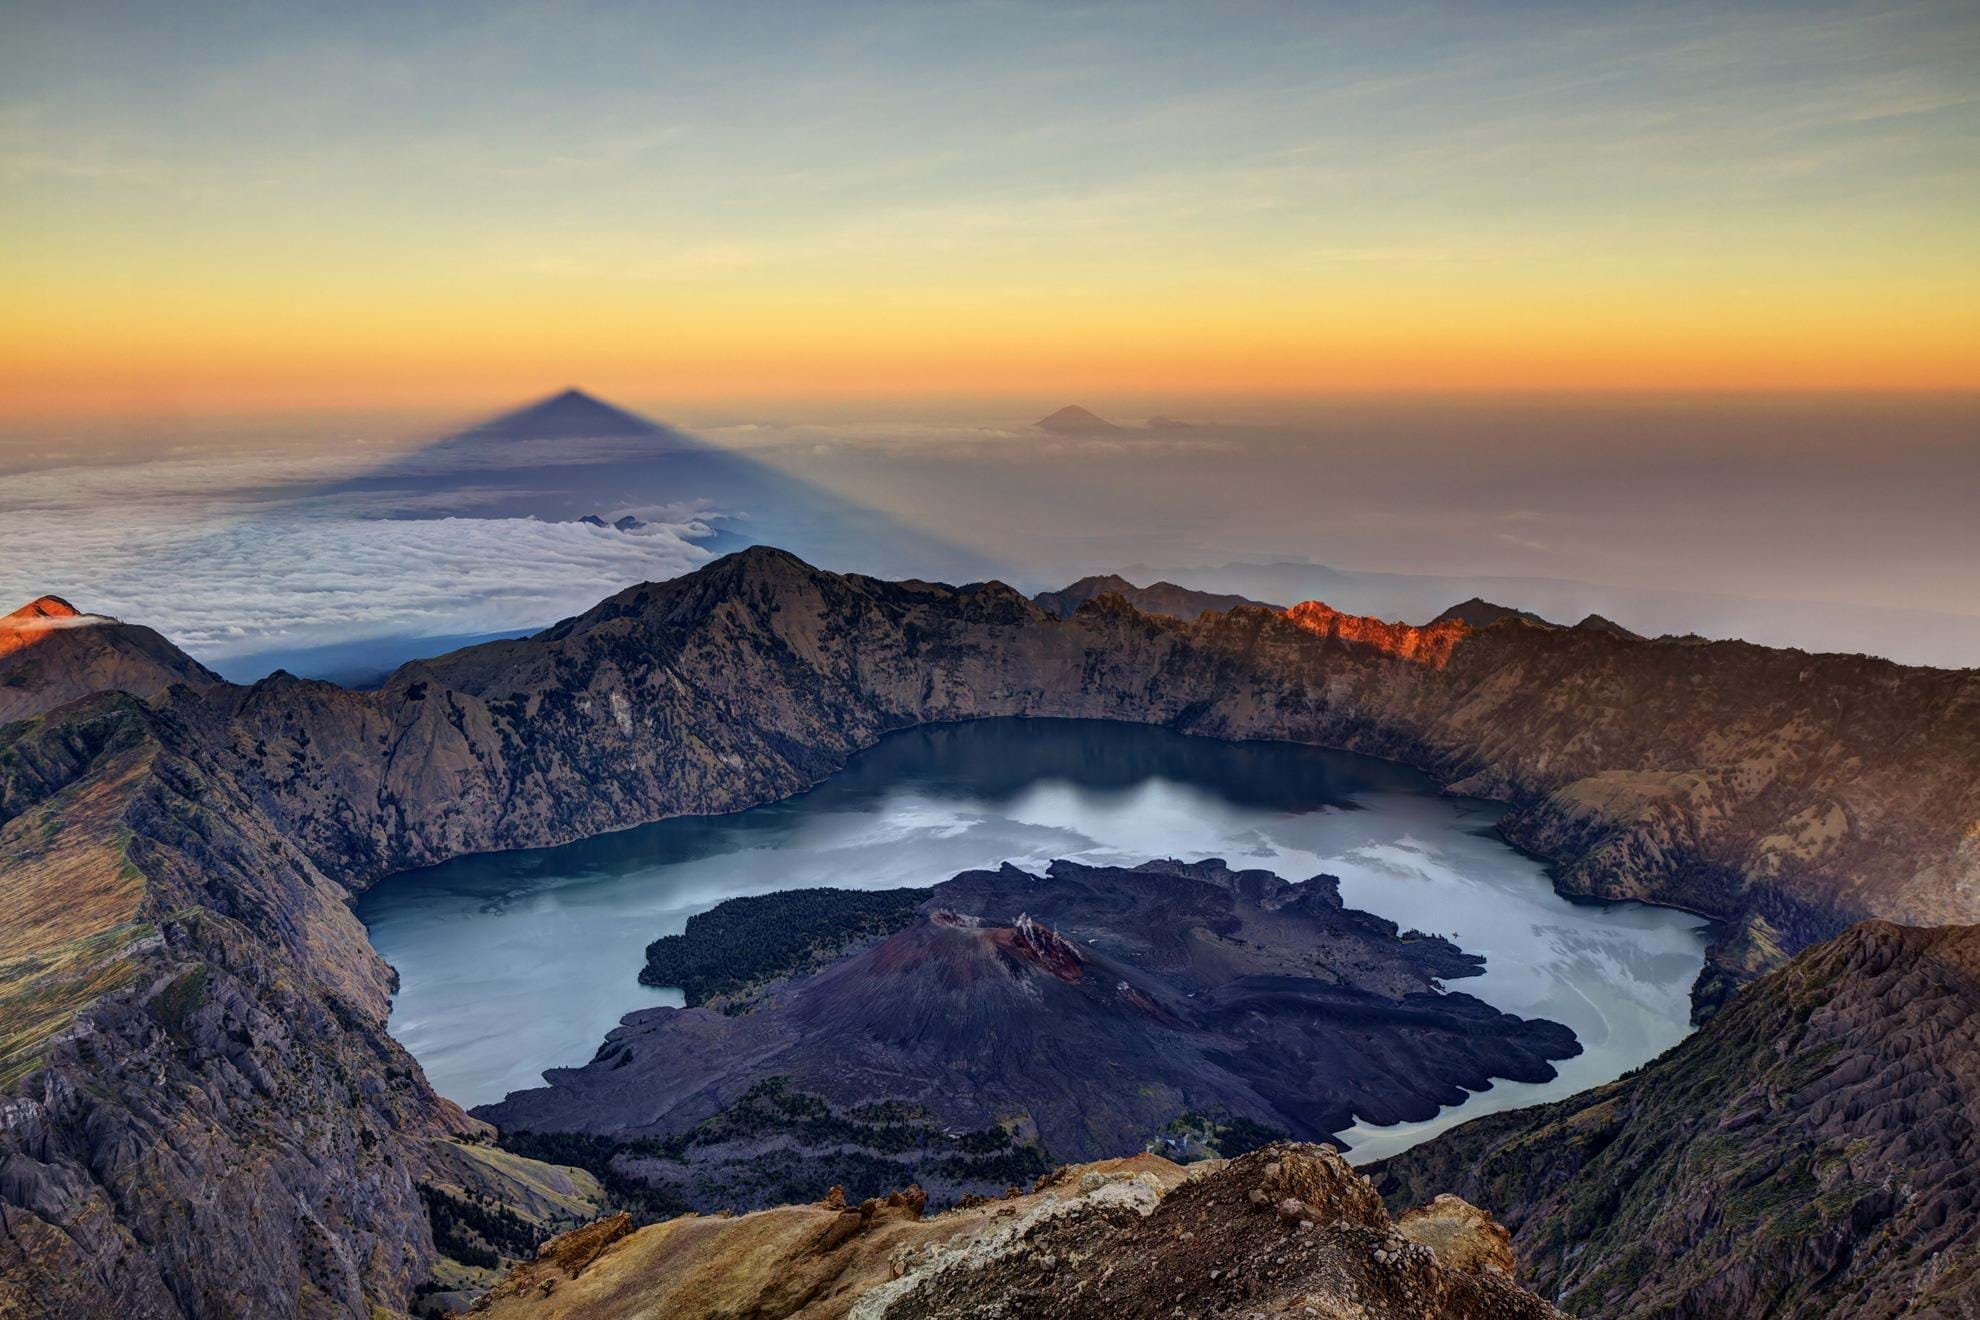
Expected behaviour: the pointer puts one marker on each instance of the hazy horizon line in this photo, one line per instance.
(953, 404)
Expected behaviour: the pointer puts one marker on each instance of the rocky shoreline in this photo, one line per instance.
(1000, 1006)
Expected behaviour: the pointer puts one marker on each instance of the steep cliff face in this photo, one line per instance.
(1786, 794)
(1285, 1231)
(1814, 1150)
(1430, 645)
(204, 1115)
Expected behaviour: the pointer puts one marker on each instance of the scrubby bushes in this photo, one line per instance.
(744, 941)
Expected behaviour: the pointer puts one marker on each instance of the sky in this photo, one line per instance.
(1670, 311)
(761, 206)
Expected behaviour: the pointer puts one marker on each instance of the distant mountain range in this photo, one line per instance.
(1075, 420)
(1160, 598)
(1911, 636)
(572, 457)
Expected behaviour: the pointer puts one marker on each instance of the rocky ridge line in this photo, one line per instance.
(1287, 1230)
(1783, 793)
(1814, 1150)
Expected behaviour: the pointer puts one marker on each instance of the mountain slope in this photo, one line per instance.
(1480, 613)
(1596, 623)
(205, 1072)
(1284, 1231)
(203, 1114)
(52, 653)
(1194, 988)
(1813, 1151)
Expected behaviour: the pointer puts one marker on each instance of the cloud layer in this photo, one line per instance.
(227, 555)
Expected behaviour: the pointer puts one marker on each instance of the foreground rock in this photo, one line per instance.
(1813, 1151)
(1286, 1231)
(1084, 1011)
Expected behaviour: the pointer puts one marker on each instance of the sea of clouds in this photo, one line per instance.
(1778, 524)
(237, 553)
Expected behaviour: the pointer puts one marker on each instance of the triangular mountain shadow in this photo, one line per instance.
(571, 455)
(572, 415)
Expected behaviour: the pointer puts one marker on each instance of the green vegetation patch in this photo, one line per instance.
(477, 1230)
(778, 1144)
(743, 942)
(598, 1156)
(1225, 1135)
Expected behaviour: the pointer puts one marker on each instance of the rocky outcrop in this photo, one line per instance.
(52, 653)
(1288, 1230)
(1814, 1150)
(1430, 646)
(1463, 1236)
(1191, 988)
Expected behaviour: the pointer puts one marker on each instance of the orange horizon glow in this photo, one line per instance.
(283, 339)
(205, 368)
(319, 209)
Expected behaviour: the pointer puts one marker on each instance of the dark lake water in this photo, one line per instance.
(511, 963)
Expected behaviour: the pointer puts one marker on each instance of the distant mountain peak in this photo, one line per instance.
(1481, 613)
(1597, 623)
(568, 415)
(1073, 419)
(1161, 598)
